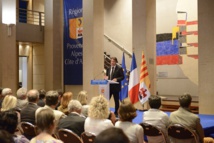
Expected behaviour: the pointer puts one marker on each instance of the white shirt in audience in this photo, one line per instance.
(133, 131)
(158, 119)
(95, 126)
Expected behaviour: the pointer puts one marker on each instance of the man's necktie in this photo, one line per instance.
(112, 72)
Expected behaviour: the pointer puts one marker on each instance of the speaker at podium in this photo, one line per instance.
(103, 86)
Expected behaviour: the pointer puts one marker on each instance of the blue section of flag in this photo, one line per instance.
(133, 64)
(167, 48)
(124, 83)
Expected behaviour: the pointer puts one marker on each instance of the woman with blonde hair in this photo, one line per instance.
(98, 113)
(82, 98)
(127, 112)
(66, 97)
(45, 121)
(9, 102)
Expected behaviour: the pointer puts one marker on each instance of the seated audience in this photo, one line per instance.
(6, 137)
(28, 112)
(45, 122)
(41, 101)
(98, 113)
(185, 117)
(83, 97)
(66, 97)
(112, 135)
(9, 122)
(51, 100)
(21, 98)
(157, 118)
(4, 92)
(74, 121)
(127, 112)
(60, 93)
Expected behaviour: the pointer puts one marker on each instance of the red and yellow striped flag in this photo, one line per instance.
(145, 84)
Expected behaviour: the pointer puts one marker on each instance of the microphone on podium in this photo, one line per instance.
(99, 74)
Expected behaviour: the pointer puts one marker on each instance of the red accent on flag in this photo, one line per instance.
(169, 60)
(134, 93)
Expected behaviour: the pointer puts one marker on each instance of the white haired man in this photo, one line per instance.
(22, 98)
(74, 121)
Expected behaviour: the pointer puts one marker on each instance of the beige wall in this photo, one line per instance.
(206, 58)
(38, 66)
(118, 26)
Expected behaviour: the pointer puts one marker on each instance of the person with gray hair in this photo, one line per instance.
(51, 100)
(28, 112)
(74, 121)
(21, 98)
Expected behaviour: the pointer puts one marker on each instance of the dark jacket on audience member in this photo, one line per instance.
(73, 122)
(28, 113)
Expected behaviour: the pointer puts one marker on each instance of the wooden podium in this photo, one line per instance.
(103, 86)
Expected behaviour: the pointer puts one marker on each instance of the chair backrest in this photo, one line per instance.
(67, 136)
(88, 137)
(152, 131)
(28, 129)
(178, 131)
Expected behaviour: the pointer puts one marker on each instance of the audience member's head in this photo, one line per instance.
(6, 91)
(51, 98)
(9, 102)
(45, 120)
(42, 93)
(185, 100)
(155, 102)
(8, 121)
(98, 108)
(33, 95)
(66, 97)
(74, 106)
(6, 137)
(21, 93)
(82, 97)
(60, 92)
(112, 135)
(127, 111)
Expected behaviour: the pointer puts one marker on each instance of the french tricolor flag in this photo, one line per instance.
(133, 81)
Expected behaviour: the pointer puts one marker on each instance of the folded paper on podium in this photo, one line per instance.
(103, 86)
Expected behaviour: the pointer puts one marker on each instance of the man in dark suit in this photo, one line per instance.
(115, 73)
(28, 112)
(74, 121)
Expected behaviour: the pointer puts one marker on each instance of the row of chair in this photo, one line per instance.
(175, 131)
(30, 131)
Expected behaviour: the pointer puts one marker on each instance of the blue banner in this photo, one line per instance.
(73, 42)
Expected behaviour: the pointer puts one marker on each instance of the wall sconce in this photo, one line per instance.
(9, 14)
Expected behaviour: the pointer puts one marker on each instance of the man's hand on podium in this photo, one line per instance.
(106, 77)
(114, 79)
